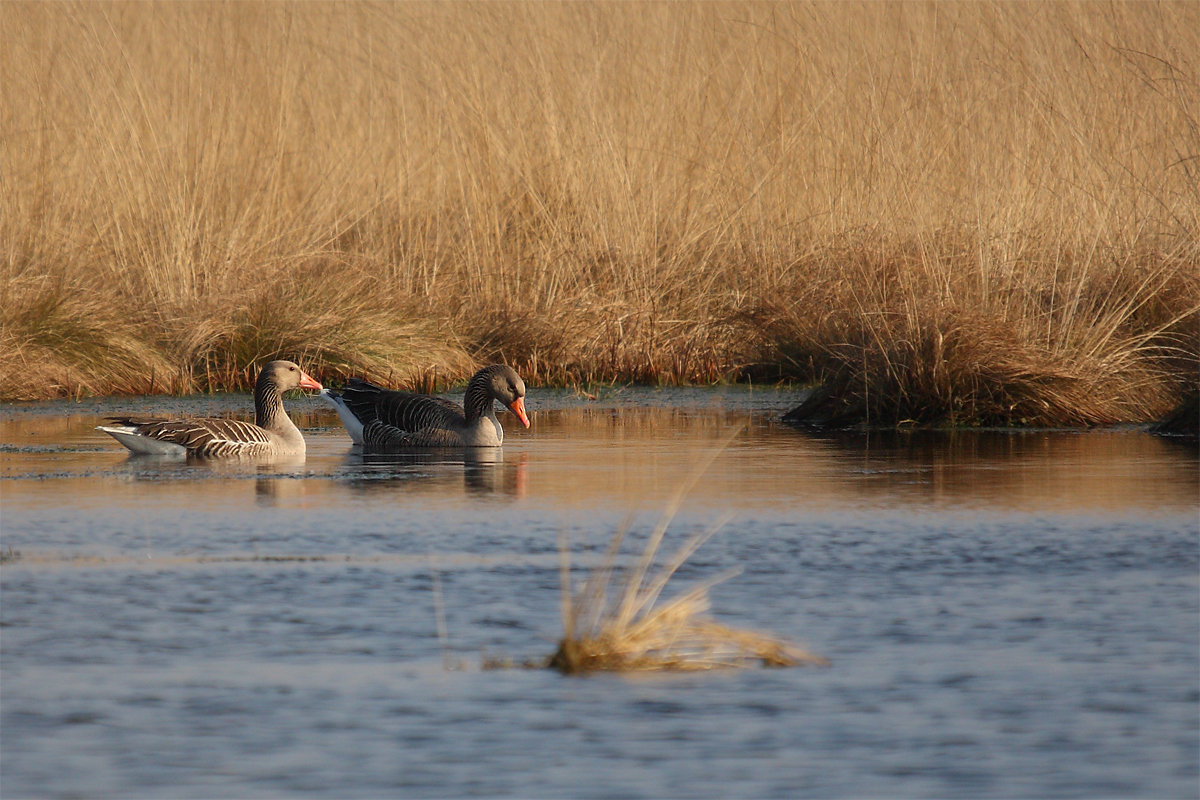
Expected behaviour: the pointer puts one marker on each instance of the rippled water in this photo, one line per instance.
(1007, 614)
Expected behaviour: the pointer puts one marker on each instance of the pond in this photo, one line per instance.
(1006, 613)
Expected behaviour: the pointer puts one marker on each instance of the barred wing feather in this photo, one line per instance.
(380, 436)
(206, 437)
(405, 411)
(415, 412)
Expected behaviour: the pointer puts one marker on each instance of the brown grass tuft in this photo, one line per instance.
(337, 321)
(57, 339)
(630, 631)
(676, 635)
(920, 338)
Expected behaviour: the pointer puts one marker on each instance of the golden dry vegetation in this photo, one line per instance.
(975, 213)
(624, 627)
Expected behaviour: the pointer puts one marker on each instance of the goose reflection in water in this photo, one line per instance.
(150, 466)
(273, 488)
(276, 478)
(484, 471)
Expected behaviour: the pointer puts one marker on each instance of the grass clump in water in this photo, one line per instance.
(629, 630)
(634, 634)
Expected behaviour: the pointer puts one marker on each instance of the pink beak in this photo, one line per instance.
(518, 408)
(307, 382)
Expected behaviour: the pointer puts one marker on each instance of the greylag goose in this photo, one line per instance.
(383, 421)
(272, 434)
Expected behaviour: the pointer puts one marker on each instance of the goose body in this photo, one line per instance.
(272, 433)
(385, 421)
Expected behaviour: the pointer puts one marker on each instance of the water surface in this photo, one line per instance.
(1006, 613)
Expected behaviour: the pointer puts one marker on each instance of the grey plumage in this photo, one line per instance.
(272, 433)
(392, 421)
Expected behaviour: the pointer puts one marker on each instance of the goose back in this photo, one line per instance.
(406, 411)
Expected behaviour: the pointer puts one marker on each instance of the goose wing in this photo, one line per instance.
(381, 438)
(405, 411)
(419, 412)
(208, 437)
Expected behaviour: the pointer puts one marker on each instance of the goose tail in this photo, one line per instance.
(353, 425)
(142, 445)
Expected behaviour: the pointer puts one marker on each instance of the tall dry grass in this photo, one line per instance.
(977, 212)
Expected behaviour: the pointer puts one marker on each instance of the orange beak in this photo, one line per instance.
(518, 408)
(306, 382)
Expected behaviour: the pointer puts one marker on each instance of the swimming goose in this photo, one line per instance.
(273, 432)
(383, 421)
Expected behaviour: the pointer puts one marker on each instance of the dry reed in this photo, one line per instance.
(974, 213)
(631, 631)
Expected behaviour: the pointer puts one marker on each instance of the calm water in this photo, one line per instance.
(1008, 614)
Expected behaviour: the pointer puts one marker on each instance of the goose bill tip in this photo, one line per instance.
(307, 382)
(518, 408)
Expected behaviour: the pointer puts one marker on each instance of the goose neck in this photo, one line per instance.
(477, 402)
(268, 406)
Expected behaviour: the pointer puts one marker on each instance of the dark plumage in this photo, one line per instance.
(383, 421)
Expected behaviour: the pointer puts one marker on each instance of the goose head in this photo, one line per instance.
(285, 375)
(506, 386)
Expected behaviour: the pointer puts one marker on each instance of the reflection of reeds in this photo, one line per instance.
(629, 631)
